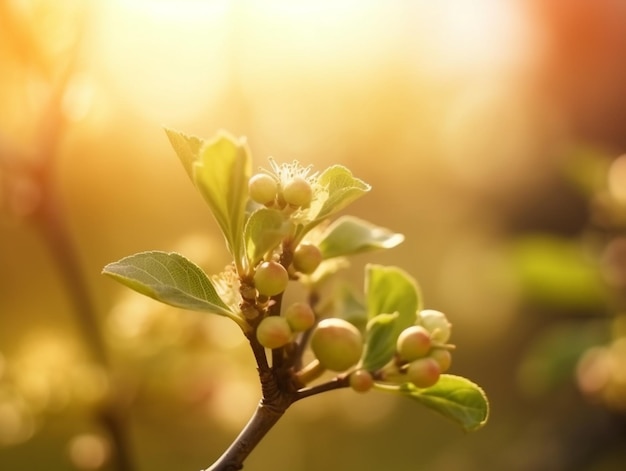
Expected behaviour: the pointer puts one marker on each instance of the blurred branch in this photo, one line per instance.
(50, 218)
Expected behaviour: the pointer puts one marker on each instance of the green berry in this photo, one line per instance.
(270, 278)
(262, 188)
(337, 344)
(361, 381)
(413, 343)
(306, 258)
(298, 192)
(443, 357)
(436, 323)
(300, 316)
(423, 372)
(273, 332)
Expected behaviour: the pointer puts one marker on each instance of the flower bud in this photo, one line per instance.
(337, 344)
(273, 332)
(423, 372)
(413, 343)
(306, 258)
(262, 188)
(300, 316)
(298, 192)
(270, 278)
(436, 323)
(443, 357)
(361, 381)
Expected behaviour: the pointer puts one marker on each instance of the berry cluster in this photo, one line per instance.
(287, 190)
(422, 353)
(278, 331)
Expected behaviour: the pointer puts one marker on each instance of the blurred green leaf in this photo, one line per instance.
(220, 168)
(551, 358)
(347, 306)
(350, 235)
(454, 397)
(557, 272)
(264, 230)
(169, 278)
(380, 342)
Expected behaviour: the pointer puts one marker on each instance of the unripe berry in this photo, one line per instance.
(337, 344)
(270, 278)
(443, 357)
(300, 317)
(413, 343)
(361, 381)
(298, 192)
(436, 323)
(306, 258)
(423, 372)
(262, 188)
(273, 332)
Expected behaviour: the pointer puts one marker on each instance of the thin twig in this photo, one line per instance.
(335, 383)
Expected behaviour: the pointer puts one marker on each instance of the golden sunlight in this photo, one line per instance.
(476, 35)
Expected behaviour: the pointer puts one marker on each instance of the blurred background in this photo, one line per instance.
(491, 132)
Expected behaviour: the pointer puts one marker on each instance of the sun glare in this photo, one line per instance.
(475, 35)
(165, 59)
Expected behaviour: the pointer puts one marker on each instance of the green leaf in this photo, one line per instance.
(171, 279)
(390, 289)
(187, 148)
(220, 168)
(347, 306)
(264, 230)
(454, 397)
(380, 343)
(350, 235)
(342, 187)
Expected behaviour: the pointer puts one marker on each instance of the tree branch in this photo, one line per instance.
(261, 422)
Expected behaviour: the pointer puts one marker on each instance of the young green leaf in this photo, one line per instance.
(342, 187)
(454, 397)
(390, 289)
(380, 341)
(347, 306)
(350, 235)
(264, 230)
(171, 279)
(220, 168)
(186, 147)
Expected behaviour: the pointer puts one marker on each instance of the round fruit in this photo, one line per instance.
(443, 357)
(300, 317)
(270, 278)
(262, 188)
(361, 381)
(413, 343)
(423, 372)
(273, 332)
(436, 323)
(298, 192)
(306, 258)
(337, 344)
